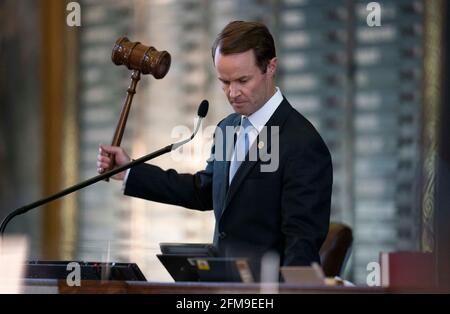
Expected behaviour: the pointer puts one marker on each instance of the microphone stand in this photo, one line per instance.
(110, 173)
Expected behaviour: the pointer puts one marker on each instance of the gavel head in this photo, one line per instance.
(142, 58)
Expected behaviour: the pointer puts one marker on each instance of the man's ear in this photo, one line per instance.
(272, 66)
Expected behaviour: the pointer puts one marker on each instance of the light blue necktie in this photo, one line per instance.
(241, 148)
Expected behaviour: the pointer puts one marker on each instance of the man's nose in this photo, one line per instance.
(235, 91)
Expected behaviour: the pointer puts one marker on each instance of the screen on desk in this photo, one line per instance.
(88, 270)
(199, 262)
(192, 249)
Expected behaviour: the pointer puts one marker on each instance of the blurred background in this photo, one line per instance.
(376, 95)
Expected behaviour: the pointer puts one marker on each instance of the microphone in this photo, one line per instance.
(202, 111)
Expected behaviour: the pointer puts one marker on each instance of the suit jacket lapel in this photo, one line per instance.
(277, 119)
(228, 147)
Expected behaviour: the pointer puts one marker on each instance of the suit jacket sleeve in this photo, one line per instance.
(170, 187)
(306, 198)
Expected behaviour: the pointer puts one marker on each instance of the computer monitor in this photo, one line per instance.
(178, 266)
(192, 249)
(88, 270)
(175, 257)
(223, 269)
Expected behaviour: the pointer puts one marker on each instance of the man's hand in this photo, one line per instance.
(104, 162)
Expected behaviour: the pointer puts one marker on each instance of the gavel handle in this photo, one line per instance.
(120, 128)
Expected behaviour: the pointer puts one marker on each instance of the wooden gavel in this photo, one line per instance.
(140, 59)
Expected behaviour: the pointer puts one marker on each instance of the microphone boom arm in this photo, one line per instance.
(103, 176)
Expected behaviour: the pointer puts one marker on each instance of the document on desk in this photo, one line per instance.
(13, 253)
(305, 275)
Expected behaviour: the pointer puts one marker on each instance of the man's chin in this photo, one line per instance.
(239, 107)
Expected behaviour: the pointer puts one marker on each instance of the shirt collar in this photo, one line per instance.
(259, 118)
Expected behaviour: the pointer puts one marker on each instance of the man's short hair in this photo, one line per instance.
(240, 36)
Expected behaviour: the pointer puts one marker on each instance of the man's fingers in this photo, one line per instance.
(107, 155)
(106, 149)
(103, 159)
(102, 152)
(103, 163)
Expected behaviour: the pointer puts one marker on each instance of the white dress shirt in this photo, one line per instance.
(259, 118)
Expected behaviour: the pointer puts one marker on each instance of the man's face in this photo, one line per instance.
(243, 82)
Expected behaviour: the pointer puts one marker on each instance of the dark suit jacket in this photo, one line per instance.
(286, 211)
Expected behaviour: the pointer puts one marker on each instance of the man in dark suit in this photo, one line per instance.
(285, 209)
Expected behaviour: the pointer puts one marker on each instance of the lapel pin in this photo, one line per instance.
(260, 145)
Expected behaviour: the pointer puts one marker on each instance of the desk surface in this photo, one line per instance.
(136, 287)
